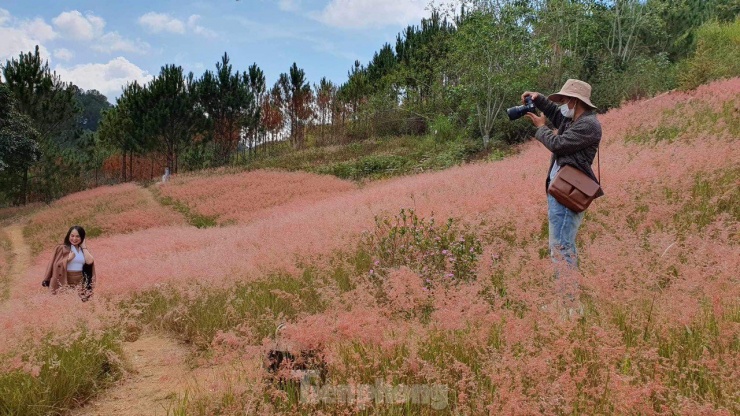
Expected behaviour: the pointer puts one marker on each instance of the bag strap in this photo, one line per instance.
(598, 163)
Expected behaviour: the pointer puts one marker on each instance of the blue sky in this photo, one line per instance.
(104, 44)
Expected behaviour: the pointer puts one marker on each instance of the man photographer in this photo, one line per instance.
(574, 141)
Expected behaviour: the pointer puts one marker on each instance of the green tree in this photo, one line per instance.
(92, 153)
(383, 64)
(357, 88)
(493, 60)
(573, 37)
(325, 92)
(353, 94)
(675, 34)
(271, 113)
(18, 149)
(169, 112)
(50, 106)
(92, 105)
(123, 127)
(296, 96)
(228, 103)
(235, 101)
(253, 115)
(717, 55)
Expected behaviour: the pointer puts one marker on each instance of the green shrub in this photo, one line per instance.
(375, 165)
(342, 170)
(717, 55)
(644, 77)
(712, 195)
(443, 129)
(259, 305)
(440, 253)
(63, 374)
(372, 166)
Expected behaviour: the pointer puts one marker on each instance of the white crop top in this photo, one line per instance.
(76, 264)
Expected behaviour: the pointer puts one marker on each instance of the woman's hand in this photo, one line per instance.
(537, 120)
(86, 253)
(70, 256)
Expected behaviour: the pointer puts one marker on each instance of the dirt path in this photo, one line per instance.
(156, 378)
(148, 195)
(21, 258)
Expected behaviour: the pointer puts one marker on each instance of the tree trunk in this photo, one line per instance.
(24, 187)
(171, 158)
(123, 165)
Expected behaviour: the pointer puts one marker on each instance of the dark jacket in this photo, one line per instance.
(575, 144)
(56, 273)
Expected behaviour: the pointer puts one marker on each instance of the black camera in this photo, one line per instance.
(520, 110)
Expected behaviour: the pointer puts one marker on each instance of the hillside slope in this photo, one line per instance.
(659, 256)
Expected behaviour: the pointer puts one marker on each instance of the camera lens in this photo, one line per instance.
(520, 110)
(516, 112)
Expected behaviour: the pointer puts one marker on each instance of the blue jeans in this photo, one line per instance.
(564, 225)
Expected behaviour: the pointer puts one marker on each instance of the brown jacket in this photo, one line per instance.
(56, 272)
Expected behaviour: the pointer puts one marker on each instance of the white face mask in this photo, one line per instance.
(567, 112)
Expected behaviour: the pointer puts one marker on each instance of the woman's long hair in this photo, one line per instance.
(80, 231)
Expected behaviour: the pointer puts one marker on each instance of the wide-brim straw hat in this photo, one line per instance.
(576, 89)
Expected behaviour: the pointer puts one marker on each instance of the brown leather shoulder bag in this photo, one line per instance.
(573, 188)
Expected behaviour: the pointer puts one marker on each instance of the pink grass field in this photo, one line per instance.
(104, 211)
(243, 197)
(659, 254)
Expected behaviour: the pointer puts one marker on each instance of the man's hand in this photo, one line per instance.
(537, 120)
(533, 95)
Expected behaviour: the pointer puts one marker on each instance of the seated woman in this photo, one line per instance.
(69, 262)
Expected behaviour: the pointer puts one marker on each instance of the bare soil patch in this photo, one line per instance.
(157, 375)
(20, 259)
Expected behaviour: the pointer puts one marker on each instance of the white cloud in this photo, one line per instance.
(359, 14)
(198, 29)
(13, 42)
(63, 54)
(90, 28)
(113, 42)
(161, 22)
(17, 36)
(77, 26)
(20, 37)
(4, 16)
(289, 5)
(107, 78)
(39, 28)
